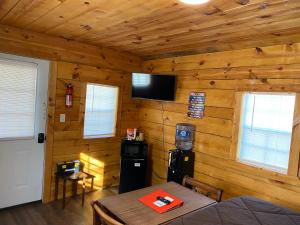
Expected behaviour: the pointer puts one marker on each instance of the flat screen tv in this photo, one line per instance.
(153, 86)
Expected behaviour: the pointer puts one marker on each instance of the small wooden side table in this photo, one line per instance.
(75, 177)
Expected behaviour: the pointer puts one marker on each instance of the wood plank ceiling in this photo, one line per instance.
(157, 28)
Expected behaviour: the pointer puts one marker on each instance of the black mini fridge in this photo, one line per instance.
(133, 165)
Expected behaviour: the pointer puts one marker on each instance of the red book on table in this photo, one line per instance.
(159, 206)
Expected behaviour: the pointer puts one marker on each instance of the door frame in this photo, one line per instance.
(46, 196)
(49, 64)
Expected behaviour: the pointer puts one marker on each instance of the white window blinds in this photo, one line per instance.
(266, 129)
(100, 111)
(17, 99)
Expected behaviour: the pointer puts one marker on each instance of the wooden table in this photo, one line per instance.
(74, 178)
(131, 211)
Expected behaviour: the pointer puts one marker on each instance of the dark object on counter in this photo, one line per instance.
(181, 163)
(67, 168)
(133, 165)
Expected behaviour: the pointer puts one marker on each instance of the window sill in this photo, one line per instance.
(99, 136)
(263, 166)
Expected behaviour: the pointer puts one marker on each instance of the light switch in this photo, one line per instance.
(62, 118)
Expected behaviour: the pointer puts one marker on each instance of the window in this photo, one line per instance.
(17, 99)
(100, 111)
(266, 129)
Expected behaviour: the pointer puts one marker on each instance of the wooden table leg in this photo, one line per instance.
(74, 188)
(64, 194)
(56, 187)
(92, 184)
(83, 192)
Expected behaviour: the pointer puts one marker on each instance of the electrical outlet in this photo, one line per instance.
(62, 118)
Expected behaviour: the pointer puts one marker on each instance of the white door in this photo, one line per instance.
(23, 106)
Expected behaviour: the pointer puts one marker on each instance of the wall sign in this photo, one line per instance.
(196, 105)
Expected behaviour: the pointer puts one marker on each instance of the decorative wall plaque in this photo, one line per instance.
(196, 105)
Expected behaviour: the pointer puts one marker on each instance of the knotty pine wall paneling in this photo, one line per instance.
(77, 63)
(32, 44)
(101, 156)
(220, 75)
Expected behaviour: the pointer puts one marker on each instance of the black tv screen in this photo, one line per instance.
(151, 86)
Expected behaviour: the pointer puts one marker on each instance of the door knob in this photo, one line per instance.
(41, 138)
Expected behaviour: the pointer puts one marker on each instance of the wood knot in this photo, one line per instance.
(243, 2)
(252, 75)
(280, 68)
(103, 56)
(212, 83)
(265, 16)
(86, 27)
(289, 47)
(201, 62)
(75, 75)
(264, 80)
(263, 5)
(26, 36)
(259, 50)
(212, 11)
(138, 37)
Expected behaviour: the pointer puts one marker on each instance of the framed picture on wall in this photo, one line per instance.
(196, 105)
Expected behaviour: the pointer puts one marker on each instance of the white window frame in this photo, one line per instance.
(293, 164)
(113, 134)
(250, 162)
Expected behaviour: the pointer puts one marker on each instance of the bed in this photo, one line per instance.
(241, 211)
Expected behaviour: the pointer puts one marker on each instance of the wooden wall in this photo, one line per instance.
(96, 65)
(219, 75)
(37, 45)
(100, 156)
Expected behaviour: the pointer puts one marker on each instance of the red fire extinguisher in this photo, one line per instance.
(69, 95)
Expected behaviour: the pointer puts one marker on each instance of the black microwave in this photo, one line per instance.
(134, 149)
